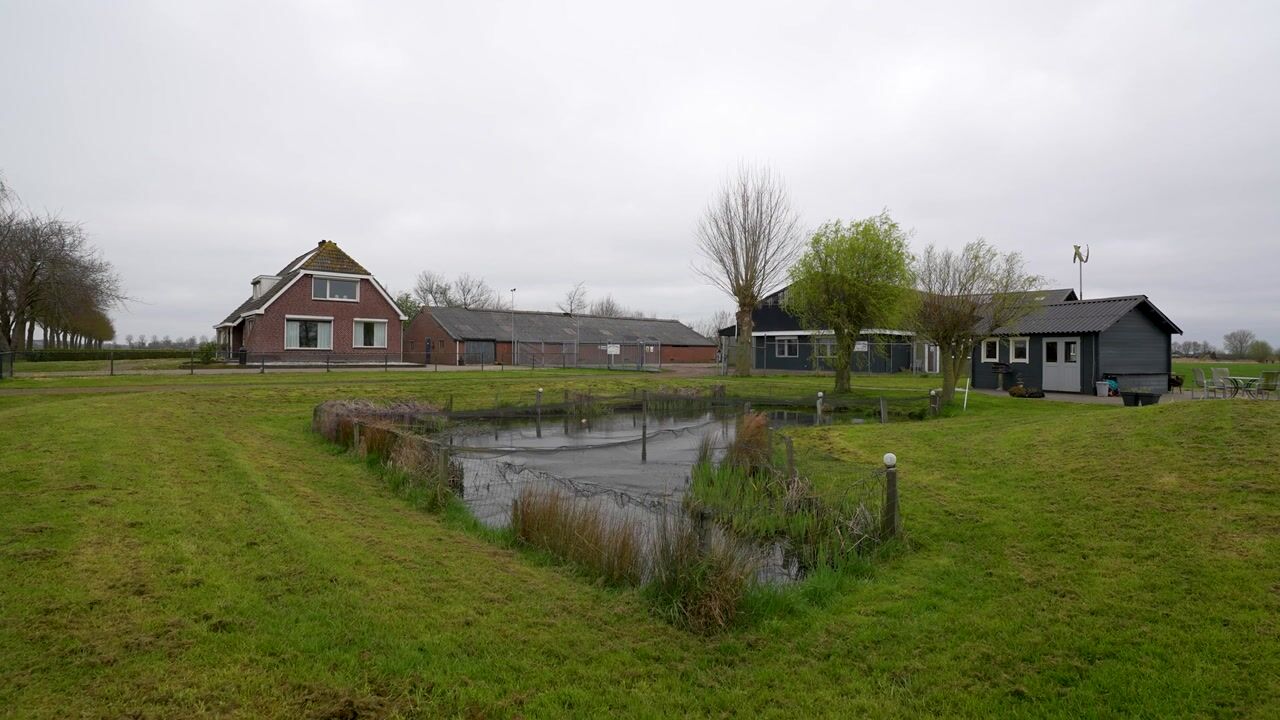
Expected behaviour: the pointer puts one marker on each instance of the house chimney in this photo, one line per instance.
(321, 243)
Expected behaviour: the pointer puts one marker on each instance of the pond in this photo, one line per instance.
(604, 459)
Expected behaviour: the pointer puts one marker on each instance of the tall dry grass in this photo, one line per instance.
(700, 575)
(581, 532)
(750, 450)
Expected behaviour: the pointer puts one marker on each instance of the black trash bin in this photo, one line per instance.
(243, 356)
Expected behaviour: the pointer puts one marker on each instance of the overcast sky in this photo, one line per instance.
(541, 144)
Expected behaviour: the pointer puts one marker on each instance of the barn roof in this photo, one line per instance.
(1084, 316)
(471, 324)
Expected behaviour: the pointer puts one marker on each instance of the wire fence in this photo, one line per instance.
(124, 361)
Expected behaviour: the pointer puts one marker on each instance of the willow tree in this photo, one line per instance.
(748, 237)
(967, 295)
(852, 277)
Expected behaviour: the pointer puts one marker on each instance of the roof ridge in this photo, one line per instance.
(549, 313)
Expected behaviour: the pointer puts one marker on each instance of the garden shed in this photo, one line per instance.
(1070, 345)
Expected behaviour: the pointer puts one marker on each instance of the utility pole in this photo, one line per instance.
(515, 350)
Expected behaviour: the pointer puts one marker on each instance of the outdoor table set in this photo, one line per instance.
(1231, 386)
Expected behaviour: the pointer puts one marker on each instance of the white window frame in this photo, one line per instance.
(327, 278)
(305, 318)
(824, 349)
(987, 358)
(355, 323)
(1013, 357)
(792, 342)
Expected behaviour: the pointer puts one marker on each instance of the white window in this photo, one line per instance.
(826, 348)
(369, 334)
(990, 350)
(335, 289)
(1019, 350)
(308, 333)
(787, 347)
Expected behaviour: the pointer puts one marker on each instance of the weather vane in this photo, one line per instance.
(1081, 258)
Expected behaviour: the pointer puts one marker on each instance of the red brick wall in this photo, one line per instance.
(424, 327)
(267, 332)
(688, 354)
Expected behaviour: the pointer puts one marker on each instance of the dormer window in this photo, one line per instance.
(335, 289)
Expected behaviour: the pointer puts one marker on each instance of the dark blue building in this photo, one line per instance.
(1069, 345)
(779, 342)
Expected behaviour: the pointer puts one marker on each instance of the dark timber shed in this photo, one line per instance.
(1068, 346)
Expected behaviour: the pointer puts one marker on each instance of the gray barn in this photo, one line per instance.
(1069, 345)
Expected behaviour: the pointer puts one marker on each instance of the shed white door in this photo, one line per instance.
(1061, 362)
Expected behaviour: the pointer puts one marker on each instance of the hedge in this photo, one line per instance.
(119, 354)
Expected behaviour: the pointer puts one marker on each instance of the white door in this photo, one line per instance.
(1061, 363)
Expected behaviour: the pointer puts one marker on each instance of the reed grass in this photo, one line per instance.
(700, 575)
(581, 532)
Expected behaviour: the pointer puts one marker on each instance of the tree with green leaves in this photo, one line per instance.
(853, 276)
(965, 296)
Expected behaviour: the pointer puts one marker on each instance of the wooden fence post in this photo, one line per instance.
(891, 524)
(644, 428)
(193, 362)
(819, 408)
(884, 410)
(791, 456)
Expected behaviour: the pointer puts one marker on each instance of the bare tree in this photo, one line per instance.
(1236, 343)
(748, 237)
(575, 300)
(466, 291)
(432, 290)
(966, 296)
(474, 292)
(710, 327)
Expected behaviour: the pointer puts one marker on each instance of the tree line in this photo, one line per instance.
(432, 289)
(51, 277)
(854, 275)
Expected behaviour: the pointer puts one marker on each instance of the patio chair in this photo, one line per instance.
(1268, 384)
(1202, 385)
(1220, 381)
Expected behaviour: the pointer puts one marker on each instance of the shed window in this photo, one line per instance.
(787, 347)
(1071, 351)
(1019, 350)
(825, 348)
(991, 350)
(335, 289)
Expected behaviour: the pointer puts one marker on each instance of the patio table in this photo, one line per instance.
(1245, 384)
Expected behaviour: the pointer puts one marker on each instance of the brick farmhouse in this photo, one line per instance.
(322, 304)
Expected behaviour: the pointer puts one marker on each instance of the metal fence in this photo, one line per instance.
(791, 354)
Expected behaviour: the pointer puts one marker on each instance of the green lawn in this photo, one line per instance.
(1240, 369)
(195, 551)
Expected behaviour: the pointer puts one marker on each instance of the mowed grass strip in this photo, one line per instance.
(200, 553)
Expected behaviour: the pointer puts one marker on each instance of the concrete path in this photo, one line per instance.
(1088, 399)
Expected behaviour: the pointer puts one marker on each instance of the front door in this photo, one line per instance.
(1061, 364)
